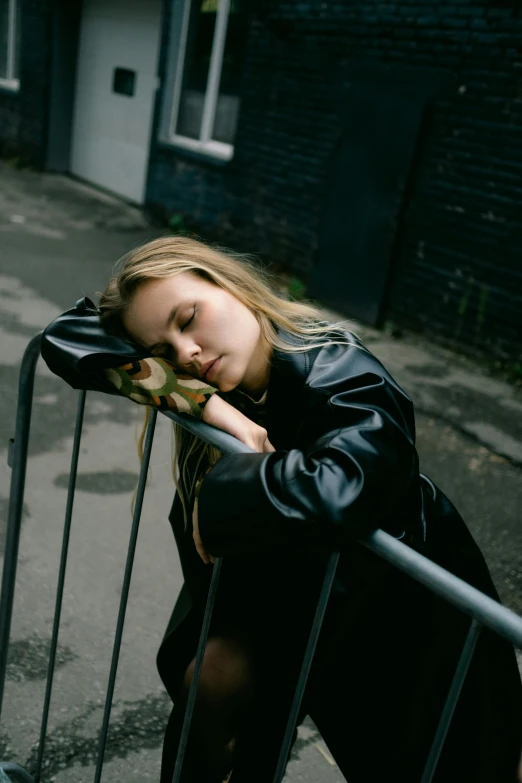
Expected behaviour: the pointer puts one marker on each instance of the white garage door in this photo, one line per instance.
(115, 89)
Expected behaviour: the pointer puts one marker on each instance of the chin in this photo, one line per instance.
(226, 386)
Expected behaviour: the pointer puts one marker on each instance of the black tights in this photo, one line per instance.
(225, 689)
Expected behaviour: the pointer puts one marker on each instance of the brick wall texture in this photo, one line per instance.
(456, 270)
(24, 114)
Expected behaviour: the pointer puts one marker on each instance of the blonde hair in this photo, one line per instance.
(237, 274)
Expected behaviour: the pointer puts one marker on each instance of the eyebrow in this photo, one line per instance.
(171, 317)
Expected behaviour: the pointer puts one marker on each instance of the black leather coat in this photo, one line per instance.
(345, 460)
(345, 464)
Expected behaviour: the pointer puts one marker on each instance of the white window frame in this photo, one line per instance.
(205, 144)
(10, 80)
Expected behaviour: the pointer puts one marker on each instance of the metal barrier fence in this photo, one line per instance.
(483, 610)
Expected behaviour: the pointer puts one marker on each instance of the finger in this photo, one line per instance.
(202, 552)
(268, 446)
(204, 555)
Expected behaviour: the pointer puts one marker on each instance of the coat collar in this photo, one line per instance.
(286, 402)
(286, 399)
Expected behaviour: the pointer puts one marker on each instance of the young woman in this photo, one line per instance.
(336, 459)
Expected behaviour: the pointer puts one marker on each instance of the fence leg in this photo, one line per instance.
(125, 591)
(16, 498)
(307, 663)
(61, 581)
(451, 701)
(191, 701)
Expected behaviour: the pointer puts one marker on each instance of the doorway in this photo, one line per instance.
(115, 91)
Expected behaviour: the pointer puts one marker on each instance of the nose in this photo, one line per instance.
(186, 351)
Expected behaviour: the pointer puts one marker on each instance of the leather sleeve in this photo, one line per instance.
(357, 467)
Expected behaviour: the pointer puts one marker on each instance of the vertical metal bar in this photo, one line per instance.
(191, 701)
(61, 580)
(149, 437)
(16, 498)
(180, 66)
(307, 663)
(214, 71)
(11, 40)
(451, 701)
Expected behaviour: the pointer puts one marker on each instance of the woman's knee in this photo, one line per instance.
(227, 673)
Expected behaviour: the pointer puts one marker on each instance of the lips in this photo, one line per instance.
(208, 369)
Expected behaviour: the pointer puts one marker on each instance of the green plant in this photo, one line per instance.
(177, 224)
(514, 373)
(296, 288)
(16, 162)
(391, 329)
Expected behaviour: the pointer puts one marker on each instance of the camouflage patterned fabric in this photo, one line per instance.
(153, 381)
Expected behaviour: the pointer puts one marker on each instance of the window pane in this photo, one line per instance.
(227, 111)
(4, 27)
(195, 71)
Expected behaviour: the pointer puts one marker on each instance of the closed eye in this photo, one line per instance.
(189, 320)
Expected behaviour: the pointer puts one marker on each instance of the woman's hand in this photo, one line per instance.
(202, 552)
(220, 414)
(256, 437)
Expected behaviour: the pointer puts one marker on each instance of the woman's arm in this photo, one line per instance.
(223, 415)
(360, 462)
(154, 381)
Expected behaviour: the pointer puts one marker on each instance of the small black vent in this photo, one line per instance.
(124, 81)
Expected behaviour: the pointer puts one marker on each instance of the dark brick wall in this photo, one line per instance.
(9, 121)
(24, 115)
(457, 272)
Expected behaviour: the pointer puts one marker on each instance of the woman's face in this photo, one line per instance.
(205, 331)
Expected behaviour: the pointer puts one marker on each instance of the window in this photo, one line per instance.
(205, 75)
(9, 43)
